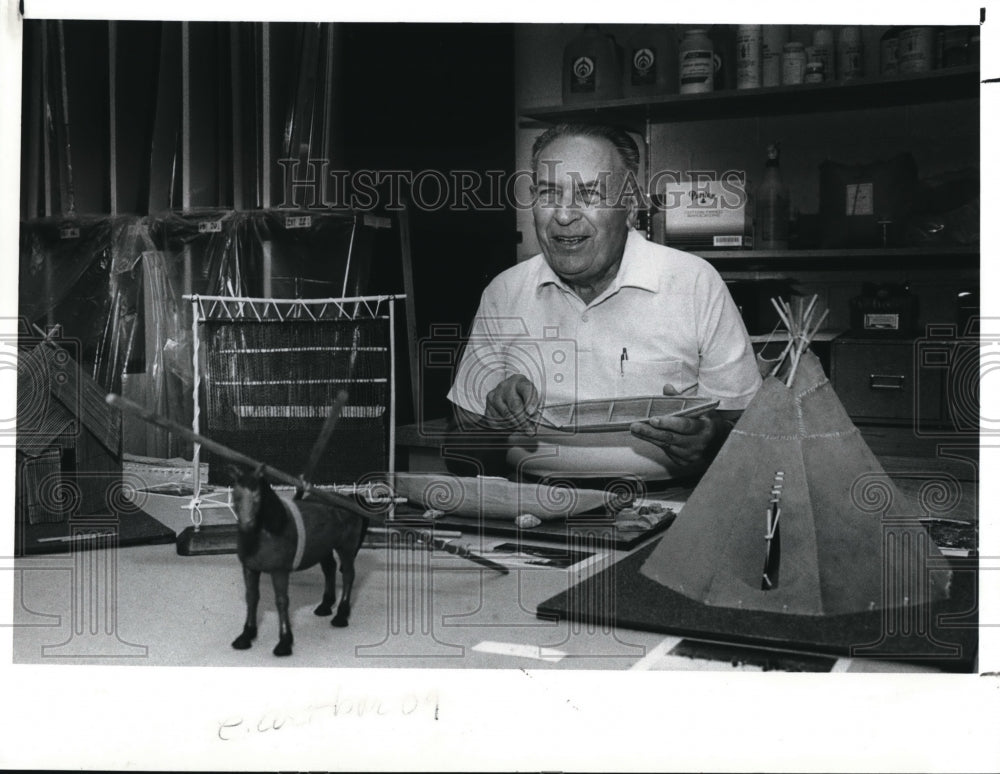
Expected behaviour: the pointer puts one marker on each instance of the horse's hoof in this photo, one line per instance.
(324, 609)
(283, 649)
(340, 621)
(245, 640)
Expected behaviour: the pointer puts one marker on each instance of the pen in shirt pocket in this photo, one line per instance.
(621, 362)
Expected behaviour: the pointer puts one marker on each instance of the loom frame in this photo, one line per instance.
(207, 308)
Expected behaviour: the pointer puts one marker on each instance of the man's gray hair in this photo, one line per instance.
(619, 138)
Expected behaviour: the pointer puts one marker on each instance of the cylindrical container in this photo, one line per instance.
(793, 63)
(916, 49)
(696, 62)
(889, 52)
(592, 68)
(773, 39)
(723, 37)
(823, 50)
(772, 207)
(956, 47)
(850, 54)
(814, 72)
(748, 52)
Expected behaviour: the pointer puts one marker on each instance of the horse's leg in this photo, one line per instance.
(280, 580)
(329, 566)
(251, 580)
(347, 569)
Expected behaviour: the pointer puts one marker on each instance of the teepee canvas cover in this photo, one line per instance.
(827, 555)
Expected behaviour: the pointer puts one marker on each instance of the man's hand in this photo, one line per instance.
(512, 404)
(687, 441)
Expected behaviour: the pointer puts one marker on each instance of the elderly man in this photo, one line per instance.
(603, 313)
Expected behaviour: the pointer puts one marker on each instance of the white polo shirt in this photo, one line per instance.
(667, 318)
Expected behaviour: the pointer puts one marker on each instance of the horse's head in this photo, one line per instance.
(247, 494)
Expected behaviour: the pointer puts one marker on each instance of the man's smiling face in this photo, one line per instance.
(581, 225)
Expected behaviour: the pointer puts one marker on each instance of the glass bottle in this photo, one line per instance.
(772, 206)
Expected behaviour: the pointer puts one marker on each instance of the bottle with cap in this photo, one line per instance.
(748, 53)
(650, 61)
(916, 49)
(723, 37)
(793, 63)
(592, 68)
(772, 206)
(773, 39)
(889, 52)
(850, 54)
(822, 50)
(696, 62)
(814, 72)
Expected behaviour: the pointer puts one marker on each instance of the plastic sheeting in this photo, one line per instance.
(117, 284)
(82, 274)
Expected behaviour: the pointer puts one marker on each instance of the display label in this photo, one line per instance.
(584, 75)
(882, 322)
(298, 221)
(643, 67)
(860, 199)
(377, 221)
(69, 232)
(697, 67)
(210, 227)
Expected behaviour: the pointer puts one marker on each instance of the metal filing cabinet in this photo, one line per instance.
(886, 381)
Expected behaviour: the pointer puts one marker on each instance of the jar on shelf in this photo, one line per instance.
(814, 72)
(916, 49)
(956, 47)
(850, 54)
(748, 53)
(793, 63)
(822, 50)
(650, 62)
(888, 55)
(772, 43)
(592, 67)
(696, 62)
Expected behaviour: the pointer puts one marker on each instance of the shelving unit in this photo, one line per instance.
(945, 84)
(933, 114)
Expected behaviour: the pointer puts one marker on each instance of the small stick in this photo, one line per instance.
(327, 496)
(323, 440)
(441, 533)
(460, 550)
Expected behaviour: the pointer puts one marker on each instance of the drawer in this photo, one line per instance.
(880, 381)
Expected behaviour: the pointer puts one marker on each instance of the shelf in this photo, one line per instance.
(911, 257)
(936, 85)
(781, 336)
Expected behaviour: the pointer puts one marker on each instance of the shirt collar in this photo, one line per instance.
(637, 270)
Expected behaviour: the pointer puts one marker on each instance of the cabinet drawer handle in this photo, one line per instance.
(886, 381)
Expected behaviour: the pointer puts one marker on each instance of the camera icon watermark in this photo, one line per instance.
(955, 364)
(497, 349)
(44, 370)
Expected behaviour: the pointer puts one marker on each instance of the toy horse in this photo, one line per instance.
(278, 536)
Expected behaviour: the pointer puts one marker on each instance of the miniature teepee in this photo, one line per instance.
(795, 514)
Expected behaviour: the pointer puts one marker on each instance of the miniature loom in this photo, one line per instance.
(271, 370)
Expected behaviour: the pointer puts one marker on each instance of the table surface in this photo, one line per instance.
(412, 607)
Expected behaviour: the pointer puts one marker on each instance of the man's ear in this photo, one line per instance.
(632, 211)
